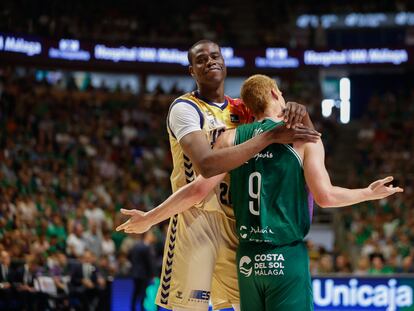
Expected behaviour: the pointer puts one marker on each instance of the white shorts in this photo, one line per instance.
(199, 262)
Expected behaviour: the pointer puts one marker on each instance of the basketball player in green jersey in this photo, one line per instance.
(270, 202)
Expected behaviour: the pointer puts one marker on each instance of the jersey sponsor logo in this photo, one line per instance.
(213, 122)
(269, 257)
(263, 265)
(380, 296)
(244, 234)
(234, 118)
(258, 230)
(266, 155)
(199, 295)
(245, 266)
(179, 295)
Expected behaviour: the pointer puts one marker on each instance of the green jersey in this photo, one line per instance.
(269, 194)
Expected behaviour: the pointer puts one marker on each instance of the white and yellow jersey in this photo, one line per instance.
(214, 119)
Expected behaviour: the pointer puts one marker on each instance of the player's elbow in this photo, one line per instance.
(207, 168)
(323, 199)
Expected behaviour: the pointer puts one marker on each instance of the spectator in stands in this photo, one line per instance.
(57, 229)
(123, 265)
(378, 266)
(59, 271)
(325, 265)
(106, 268)
(40, 245)
(25, 278)
(76, 243)
(342, 264)
(94, 214)
(142, 266)
(363, 265)
(86, 283)
(407, 265)
(6, 279)
(108, 245)
(93, 239)
(53, 143)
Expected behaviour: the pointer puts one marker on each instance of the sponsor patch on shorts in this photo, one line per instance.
(199, 295)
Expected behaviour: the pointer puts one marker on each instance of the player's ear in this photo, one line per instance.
(274, 94)
(191, 71)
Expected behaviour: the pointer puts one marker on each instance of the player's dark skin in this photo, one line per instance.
(207, 67)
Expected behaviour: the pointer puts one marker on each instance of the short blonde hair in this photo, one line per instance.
(256, 92)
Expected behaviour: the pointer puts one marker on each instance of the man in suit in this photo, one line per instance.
(86, 282)
(24, 281)
(6, 279)
(142, 258)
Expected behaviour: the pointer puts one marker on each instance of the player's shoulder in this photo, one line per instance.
(185, 103)
(187, 97)
(246, 131)
(257, 127)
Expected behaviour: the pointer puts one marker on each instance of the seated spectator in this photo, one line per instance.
(143, 266)
(6, 280)
(24, 279)
(342, 264)
(363, 266)
(86, 282)
(59, 271)
(378, 266)
(407, 265)
(325, 265)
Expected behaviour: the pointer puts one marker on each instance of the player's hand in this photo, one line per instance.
(378, 189)
(293, 114)
(138, 223)
(300, 133)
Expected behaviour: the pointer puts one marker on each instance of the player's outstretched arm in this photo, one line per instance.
(212, 162)
(179, 201)
(327, 195)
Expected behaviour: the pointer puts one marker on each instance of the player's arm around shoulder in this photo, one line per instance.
(327, 195)
(210, 162)
(202, 186)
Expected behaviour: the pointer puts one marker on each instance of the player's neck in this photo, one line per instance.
(213, 94)
(271, 112)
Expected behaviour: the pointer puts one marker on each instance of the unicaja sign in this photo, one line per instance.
(366, 294)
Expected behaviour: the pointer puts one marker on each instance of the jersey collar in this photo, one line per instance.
(226, 102)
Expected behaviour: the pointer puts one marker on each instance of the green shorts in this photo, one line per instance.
(274, 278)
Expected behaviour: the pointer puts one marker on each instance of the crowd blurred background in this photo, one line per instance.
(71, 155)
(229, 22)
